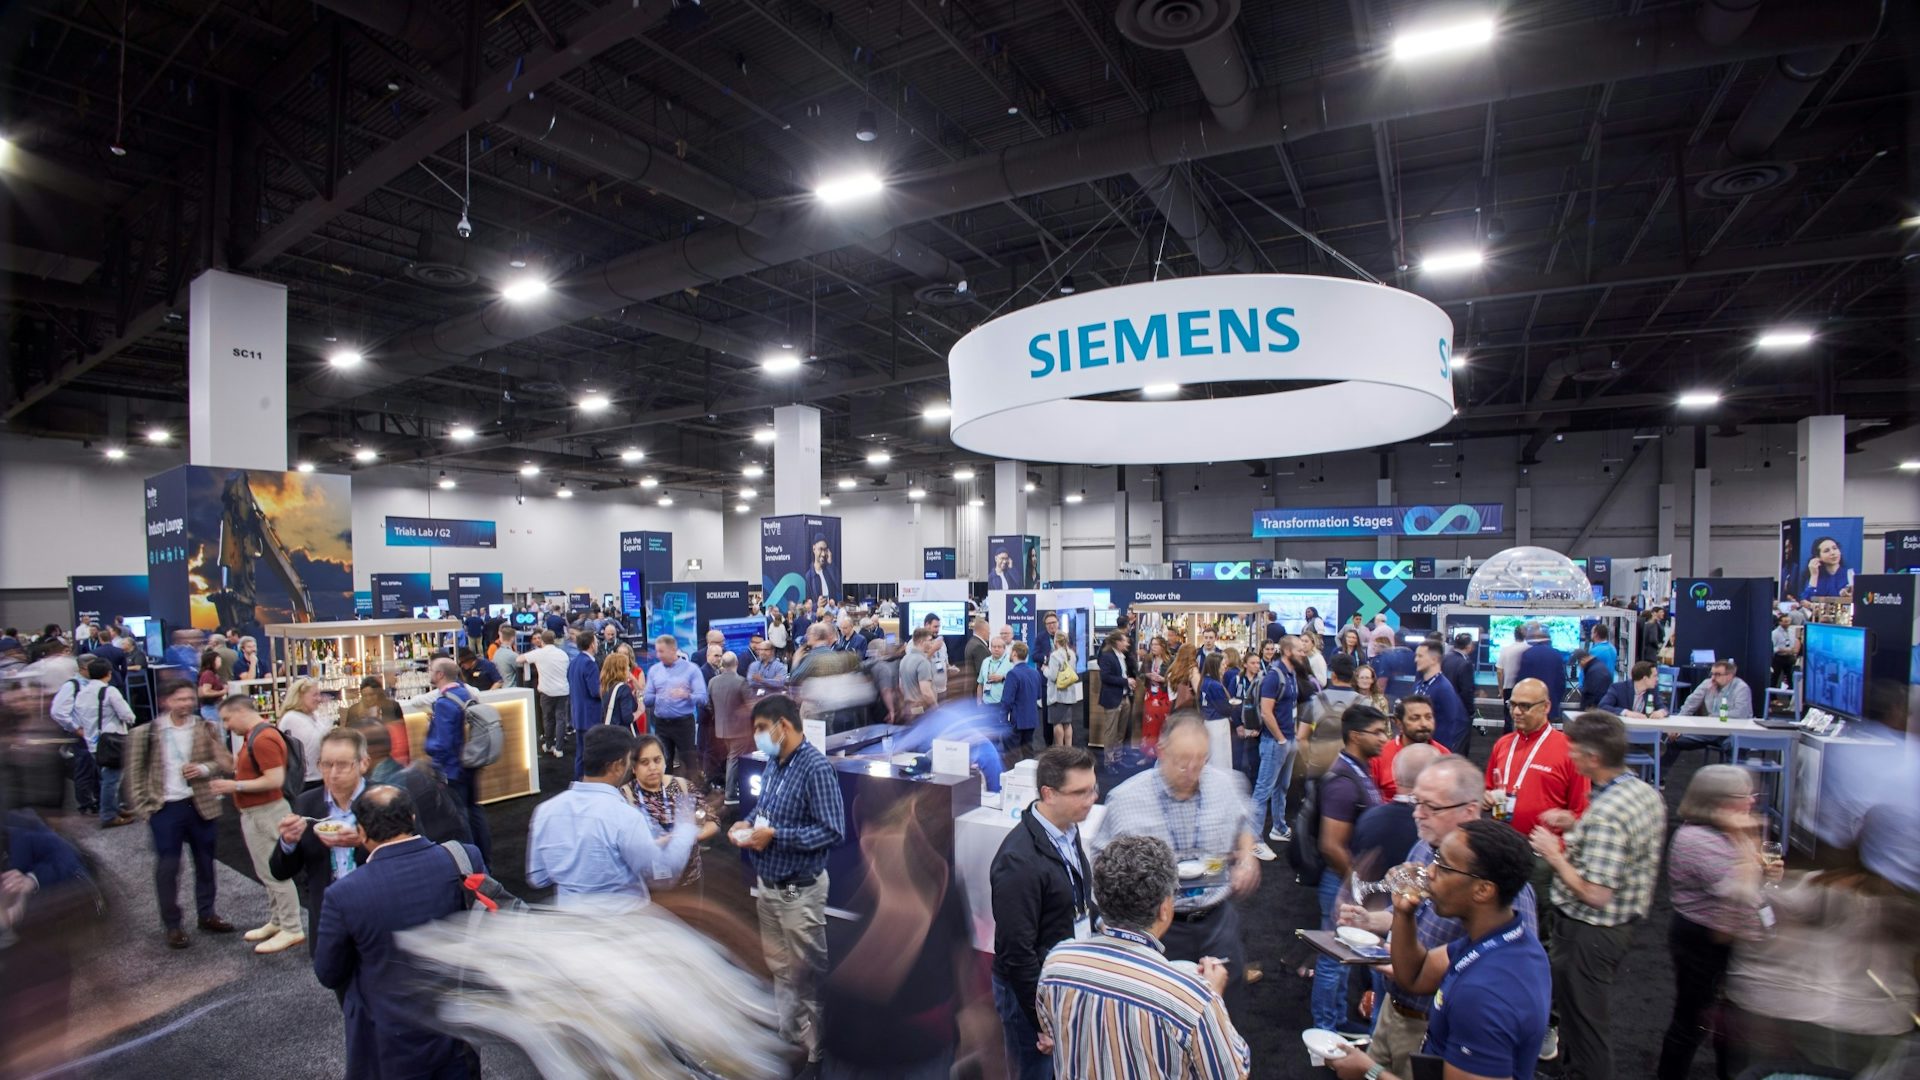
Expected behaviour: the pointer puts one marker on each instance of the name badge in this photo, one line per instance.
(1506, 805)
(1083, 928)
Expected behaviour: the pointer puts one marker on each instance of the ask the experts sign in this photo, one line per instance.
(1458, 519)
(1135, 357)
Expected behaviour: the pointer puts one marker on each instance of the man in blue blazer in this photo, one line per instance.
(1107, 728)
(583, 695)
(1024, 698)
(1634, 697)
(406, 881)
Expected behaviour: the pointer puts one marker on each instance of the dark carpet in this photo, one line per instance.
(287, 1026)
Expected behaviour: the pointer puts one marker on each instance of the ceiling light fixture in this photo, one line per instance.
(1075, 496)
(847, 483)
(345, 359)
(753, 472)
(1787, 337)
(114, 453)
(937, 411)
(523, 290)
(1442, 39)
(1910, 466)
(976, 501)
(826, 500)
(845, 189)
(159, 435)
(446, 482)
(1910, 222)
(305, 467)
(879, 457)
(632, 454)
(864, 127)
(1697, 399)
(1031, 487)
(764, 435)
(594, 403)
(1160, 389)
(1452, 260)
(365, 454)
(741, 508)
(529, 469)
(1458, 361)
(460, 433)
(664, 500)
(1066, 285)
(781, 363)
(1440, 444)
(916, 493)
(565, 492)
(748, 493)
(649, 482)
(963, 475)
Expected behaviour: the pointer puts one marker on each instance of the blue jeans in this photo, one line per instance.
(1329, 1001)
(1024, 1059)
(466, 792)
(1270, 789)
(109, 794)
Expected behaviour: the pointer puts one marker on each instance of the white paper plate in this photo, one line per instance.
(1357, 937)
(1191, 868)
(1324, 1044)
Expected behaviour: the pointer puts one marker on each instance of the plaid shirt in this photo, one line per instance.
(801, 800)
(1616, 844)
(1436, 930)
(1208, 825)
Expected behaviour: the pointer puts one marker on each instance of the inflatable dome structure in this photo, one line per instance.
(1529, 577)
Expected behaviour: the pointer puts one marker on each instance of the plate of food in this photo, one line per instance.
(1357, 937)
(329, 828)
(1191, 868)
(1323, 1045)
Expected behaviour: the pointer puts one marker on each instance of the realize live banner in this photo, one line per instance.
(439, 532)
(799, 559)
(248, 547)
(1459, 519)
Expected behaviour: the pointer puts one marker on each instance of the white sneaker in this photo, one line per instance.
(1280, 835)
(1550, 1046)
(262, 933)
(280, 942)
(557, 752)
(1263, 852)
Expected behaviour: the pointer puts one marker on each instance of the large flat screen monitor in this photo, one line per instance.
(740, 634)
(1105, 617)
(674, 612)
(1837, 661)
(526, 620)
(953, 616)
(499, 611)
(1563, 630)
(1289, 606)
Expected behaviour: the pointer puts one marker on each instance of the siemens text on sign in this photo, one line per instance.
(1191, 333)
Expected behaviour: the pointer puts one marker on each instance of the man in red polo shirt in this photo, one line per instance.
(1415, 718)
(1531, 781)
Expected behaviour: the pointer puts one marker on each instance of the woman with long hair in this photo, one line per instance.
(1366, 683)
(299, 721)
(1184, 679)
(1155, 700)
(616, 689)
(1716, 868)
(1063, 702)
(212, 687)
(1316, 656)
(1827, 572)
(1351, 645)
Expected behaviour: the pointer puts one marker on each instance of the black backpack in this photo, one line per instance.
(293, 779)
(480, 889)
(1303, 851)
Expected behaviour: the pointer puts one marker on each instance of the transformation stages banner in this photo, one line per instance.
(799, 559)
(439, 532)
(1458, 519)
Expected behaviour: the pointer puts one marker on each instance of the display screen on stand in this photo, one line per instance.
(1836, 673)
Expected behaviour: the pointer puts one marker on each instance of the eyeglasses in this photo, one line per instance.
(1438, 865)
(1431, 808)
(1526, 706)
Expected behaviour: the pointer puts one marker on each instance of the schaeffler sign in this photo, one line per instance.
(1139, 358)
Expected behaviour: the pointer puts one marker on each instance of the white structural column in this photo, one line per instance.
(796, 460)
(1009, 498)
(1700, 542)
(237, 372)
(1820, 467)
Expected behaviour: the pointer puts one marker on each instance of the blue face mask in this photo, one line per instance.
(764, 742)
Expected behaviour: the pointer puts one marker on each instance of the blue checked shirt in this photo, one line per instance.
(801, 800)
(1437, 930)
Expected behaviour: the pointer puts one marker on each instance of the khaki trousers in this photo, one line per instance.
(1396, 1038)
(260, 825)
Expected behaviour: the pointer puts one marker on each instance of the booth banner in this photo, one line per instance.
(1731, 617)
(1013, 562)
(1336, 568)
(1903, 551)
(942, 563)
(1356, 347)
(1022, 614)
(1889, 606)
(439, 532)
(396, 595)
(940, 589)
(1819, 556)
(363, 603)
(248, 547)
(1458, 519)
(1405, 601)
(475, 592)
(633, 593)
(1224, 570)
(106, 597)
(720, 600)
(1423, 568)
(799, 559)
(648, 553)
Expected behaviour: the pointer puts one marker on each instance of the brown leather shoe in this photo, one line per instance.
(123, 819)
(178, 939)
(214, 924)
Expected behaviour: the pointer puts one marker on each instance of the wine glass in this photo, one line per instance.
(1772, 854)
(1404, 878)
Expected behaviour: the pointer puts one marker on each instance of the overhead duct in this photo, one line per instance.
(1720, 21)
(672, 324)
(1526, 64)
(1778, 97)
(1203, 32)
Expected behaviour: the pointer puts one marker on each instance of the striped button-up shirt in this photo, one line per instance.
(1117, 1010)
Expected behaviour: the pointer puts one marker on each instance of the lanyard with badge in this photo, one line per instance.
(1506, 771)
(762, 818)
(1082, 906)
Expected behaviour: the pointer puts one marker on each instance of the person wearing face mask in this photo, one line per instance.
(589, 842)
(798, 820)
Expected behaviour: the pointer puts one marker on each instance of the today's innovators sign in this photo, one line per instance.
(1372, 365)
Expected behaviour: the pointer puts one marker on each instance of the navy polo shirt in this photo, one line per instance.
(1491, 1012)
(1285, 695)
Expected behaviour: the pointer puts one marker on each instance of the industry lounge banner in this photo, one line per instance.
(1458, 519)
(942, 563)
(799, 559)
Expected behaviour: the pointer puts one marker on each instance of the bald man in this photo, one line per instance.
(1531, 779)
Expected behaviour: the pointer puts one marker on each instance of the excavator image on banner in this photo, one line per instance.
(246, 537)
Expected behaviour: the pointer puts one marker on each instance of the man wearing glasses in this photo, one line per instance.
(1446, 796)
(1531, 780)
(1489, 985)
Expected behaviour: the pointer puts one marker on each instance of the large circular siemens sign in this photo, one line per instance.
(1375, 365)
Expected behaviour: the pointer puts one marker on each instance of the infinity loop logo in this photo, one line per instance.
(1436, 521)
